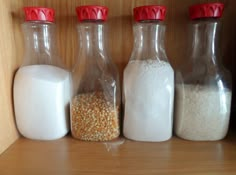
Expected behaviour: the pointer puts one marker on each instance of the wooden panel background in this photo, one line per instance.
(8, 64)
(120, 40)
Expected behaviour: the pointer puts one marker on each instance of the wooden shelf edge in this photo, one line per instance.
(70, 156)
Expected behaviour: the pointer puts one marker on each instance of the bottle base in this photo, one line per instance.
(203, 139)
(147, 139)
(43, 137)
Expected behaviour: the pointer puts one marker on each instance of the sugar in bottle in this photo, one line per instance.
(148, 87)
(42, 86)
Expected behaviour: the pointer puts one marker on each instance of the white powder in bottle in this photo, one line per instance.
(41, 98)
(148, 100)
(201, 112)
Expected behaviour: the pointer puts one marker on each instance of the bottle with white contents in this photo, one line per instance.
(96, 100)
(148, 85)
(203, 85)
(42, 87)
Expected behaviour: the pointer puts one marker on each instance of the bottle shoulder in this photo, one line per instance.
(203, 74)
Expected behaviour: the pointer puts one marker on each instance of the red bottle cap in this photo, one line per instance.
(92, 12)
(207, 10)
(39, 14)
(151, 12)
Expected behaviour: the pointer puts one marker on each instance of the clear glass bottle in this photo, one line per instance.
(148, 85)
(203, 85)
(96, 103)
(42, 86)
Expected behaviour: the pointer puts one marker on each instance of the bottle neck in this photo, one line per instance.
(93, 69)
(40, 43)
(205, 41)
(149, 40)
(91, 37)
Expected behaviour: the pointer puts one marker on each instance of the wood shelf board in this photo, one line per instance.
(68, 156)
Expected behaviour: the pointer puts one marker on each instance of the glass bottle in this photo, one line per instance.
(42, 88)
(148, 87)
(203, 85)
(96, 103)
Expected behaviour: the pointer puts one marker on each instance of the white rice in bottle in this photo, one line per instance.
(201, 112)
(148, 100)
(41, 98)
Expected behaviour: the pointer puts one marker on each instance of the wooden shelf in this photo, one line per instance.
(68, 156)
(71, 157)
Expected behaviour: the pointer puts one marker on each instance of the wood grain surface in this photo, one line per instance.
(8, 64)
(72, 157)
(120, 20)
(120, 40)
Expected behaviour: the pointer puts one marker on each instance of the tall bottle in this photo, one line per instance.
(203, 85)
(96, 103)
(42, 87)
(148, 88)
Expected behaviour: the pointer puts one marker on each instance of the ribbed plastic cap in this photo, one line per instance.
(92, 12)
(151, 12)
(39, 14)
(207, 10)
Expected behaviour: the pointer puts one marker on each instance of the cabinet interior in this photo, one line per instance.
(120, 41)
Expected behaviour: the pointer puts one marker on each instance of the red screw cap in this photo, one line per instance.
(39, 14)
(151, 12)
(92, 12)
(207, 10)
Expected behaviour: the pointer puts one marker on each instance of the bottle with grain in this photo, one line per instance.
(203, 85)
(95, 106)
(42, 85)
(148, 85)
